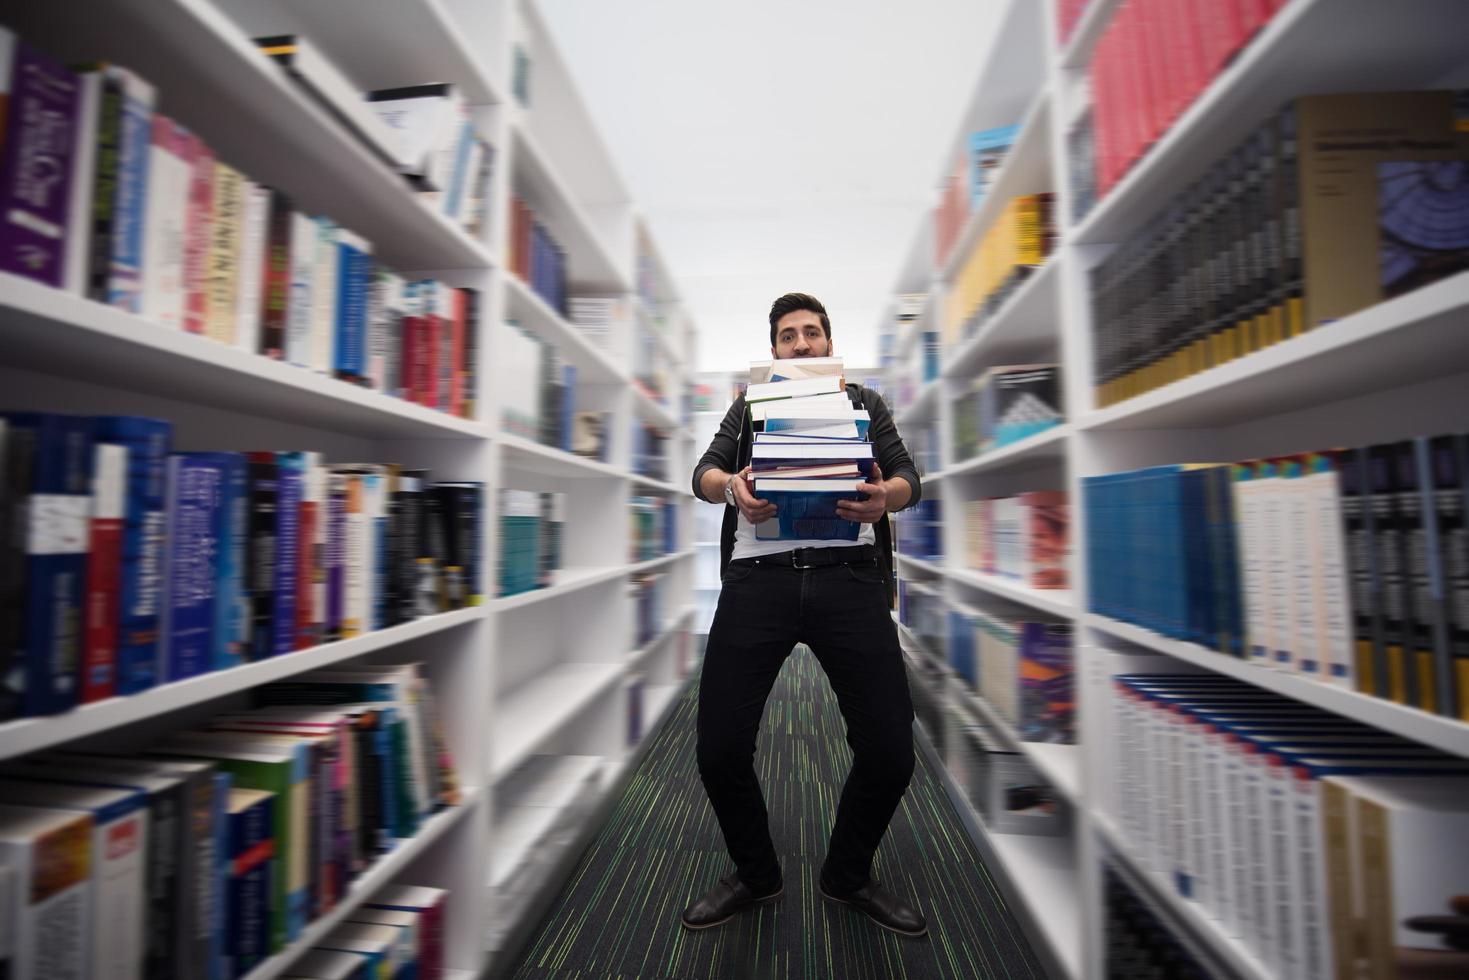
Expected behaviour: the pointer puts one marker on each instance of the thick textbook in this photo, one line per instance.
(48, 892)
(806, 509)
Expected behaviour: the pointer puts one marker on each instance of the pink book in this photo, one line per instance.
(196, 234)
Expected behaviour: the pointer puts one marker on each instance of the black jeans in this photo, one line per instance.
(841, 612)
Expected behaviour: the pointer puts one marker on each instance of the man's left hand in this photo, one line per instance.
(871, 509)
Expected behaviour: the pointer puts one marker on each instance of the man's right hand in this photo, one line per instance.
(756, 511)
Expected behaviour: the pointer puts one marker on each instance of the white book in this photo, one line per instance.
(382, 943)
(300, 308)
(832, 401)
(835, 450)
(252, 268)
(795, 367)
(334, 92)
(170, 172)
(324, 296)
(1278, 539)
(327, 964)
(1300, 569)
(50, 856)
(797, 388)
(83, 179)
(1334, 619)
(1249, 513)
(422, 118)
(222, 269)
(465, 181)
(119, 844)
(355, 559)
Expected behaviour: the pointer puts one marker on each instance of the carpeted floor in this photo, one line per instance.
(617, 916)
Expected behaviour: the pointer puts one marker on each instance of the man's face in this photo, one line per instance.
(799, 334)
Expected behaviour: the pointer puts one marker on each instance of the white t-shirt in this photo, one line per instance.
(746, 545)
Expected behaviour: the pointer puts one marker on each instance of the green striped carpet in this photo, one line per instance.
(617, 915)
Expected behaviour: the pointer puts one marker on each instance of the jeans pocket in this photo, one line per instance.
(737, 571)
(867, 572)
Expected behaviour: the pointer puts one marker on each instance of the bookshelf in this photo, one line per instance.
(1387, 372)
(534, 688)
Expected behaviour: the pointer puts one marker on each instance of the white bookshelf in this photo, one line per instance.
(540, 676)
(1391, 371)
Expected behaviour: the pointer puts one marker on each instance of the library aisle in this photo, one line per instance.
(617, 915)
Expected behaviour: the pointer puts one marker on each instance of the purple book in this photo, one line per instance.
(290, 485)
(1047, 699)
(35, 168)
(336, 553)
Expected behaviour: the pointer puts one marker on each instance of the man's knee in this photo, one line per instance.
(889, 764)
(719, 754)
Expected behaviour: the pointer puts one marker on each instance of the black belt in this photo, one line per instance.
(819, 557)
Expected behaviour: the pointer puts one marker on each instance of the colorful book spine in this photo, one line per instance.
(198, 231)
(308, 623)
(169, 169)
(276, 299)
(195, 498)
(148, 442)
(354, 282)
(290, 488)
(232, 611)
(35, 164)
(222, 272)
(261, 557)
(251, 857)
(300, 304)
(104, 574)
(57, 510)
(125, 275)
(336, 553)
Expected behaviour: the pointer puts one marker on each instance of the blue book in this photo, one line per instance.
(148, 443)
(231, 599)
(224, 784)
(354, 267)
(125, 281)
(195, 514)
(961, 647)
(458, 179)
(250, 828)
(57, 511)
(987, 151)
(568, 404)
(290, 485)
(806, 510)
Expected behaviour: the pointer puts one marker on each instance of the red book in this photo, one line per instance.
(412, 326)
(104, 574)
(306, 633)
(429, 356)
(1100, 115)
(527, 237)
(460, 307)
(275, 300)
(197, 234)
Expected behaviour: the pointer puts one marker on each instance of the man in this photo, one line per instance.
(835, 597)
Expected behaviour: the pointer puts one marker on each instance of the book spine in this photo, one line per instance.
(194, 492)
(83, 174)
(222, 275)
(327, 297)
(276, 301)
(355, 572)
(170, 171)
(231, 597)
(262, 556)
(290, 486)
(300, 315)
(104, 184)
(1442, 490)
(336, 554)
(124, 281)
(253, 249)
(305, 629)
(35, 166)
(1454, 535)
(55, 534)
(251, 863)
(198, 235)
(98, 679)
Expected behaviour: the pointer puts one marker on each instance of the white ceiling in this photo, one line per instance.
(777, 145)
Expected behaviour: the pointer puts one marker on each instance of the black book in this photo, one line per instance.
(471, 347)
(1415, 658)
(1288, 203)
(394, 575)
(1386, 528)
(260, 555)
(445, 503)
(433, 555)
(1441, 472)
(110, 111)
(17, 459)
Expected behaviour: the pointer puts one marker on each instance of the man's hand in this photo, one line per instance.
(870, 510)
(755, 511)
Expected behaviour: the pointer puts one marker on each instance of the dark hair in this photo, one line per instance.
(791, 302)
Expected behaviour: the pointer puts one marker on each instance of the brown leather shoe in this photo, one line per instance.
(881, 906)
(719, 904)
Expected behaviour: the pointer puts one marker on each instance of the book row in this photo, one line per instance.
(216, 847)
(128, 565)
(1329, 206)
(1150, 63)
(1009, 252)
(537, 390)
(920, 530)
(1348, 566)
(1004, 405)
(1329, 848)
(536, 257)
(399, 932)
(654, 527)
(1021, 664)
(650, 444)
(1025, 538)
(144, 217)
(532, 539)
(964, 189)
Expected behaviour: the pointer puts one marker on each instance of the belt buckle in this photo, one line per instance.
(796, 558)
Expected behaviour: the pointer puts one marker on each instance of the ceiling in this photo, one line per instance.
(777, 146)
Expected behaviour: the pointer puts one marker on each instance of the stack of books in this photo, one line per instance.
(810, 447)
(1025, 538)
